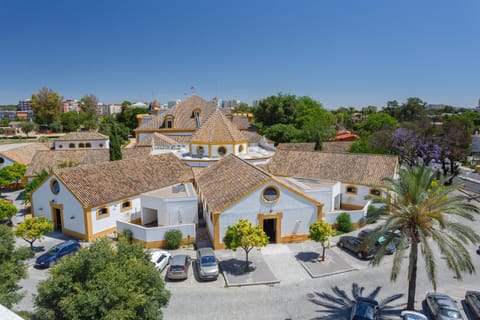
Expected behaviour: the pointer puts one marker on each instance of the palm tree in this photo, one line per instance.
(420, 216)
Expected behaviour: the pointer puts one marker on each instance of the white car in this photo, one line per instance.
(412, 315)
(160, 259)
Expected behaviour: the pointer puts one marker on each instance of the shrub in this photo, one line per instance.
(173, 238)
(344, 223)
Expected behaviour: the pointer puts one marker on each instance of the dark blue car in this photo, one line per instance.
(51, 257)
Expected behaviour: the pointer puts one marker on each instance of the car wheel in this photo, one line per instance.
(341, 244)
(359, 255)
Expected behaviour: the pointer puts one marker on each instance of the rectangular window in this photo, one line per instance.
(351, 189)
(103, 213)
(127, 205)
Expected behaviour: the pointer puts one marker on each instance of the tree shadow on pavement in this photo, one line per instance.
(338, 305)
(307, 256)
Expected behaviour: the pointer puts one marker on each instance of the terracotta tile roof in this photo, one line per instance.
(218, 128)
(145, 142)
(162, 140)
(183, 116)
(182, 139)
(306, 146)
(336, 146)
(228, 180)
(82, 136)
(138, 152)
(254, 137)
(365, 169)
(110, 181)
(242, 122)
(52, 159)
(24, 153)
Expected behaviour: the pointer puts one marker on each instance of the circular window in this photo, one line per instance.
(200, 150)
(222, 151)
(55, 186)
(60, 146)
(240, 149)
(270, 194)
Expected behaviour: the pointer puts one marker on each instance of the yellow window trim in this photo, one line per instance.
(270, 187)
(122, 208)
(351, 192)
(103, 216)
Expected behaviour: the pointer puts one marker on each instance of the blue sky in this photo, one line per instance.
(339, 52)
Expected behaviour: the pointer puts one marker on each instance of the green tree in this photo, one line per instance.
(279, 109)
(377, 122)
(344, 223)
(12, 267)
(28, 127)
(70, 121)
(422, 211)
(46, 105)
(7, 211)
(33, 229)
(321, 231)
(33, 184)
(282, 133)
(128, 117)
(118, 134)
(243, 234)
(242, 107)
(12, 174)
(88, 106)
(103, 282)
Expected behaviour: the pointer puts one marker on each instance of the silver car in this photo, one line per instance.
(178, 269)
(207, 264)
(442, 307)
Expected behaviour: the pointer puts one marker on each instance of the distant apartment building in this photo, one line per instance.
(70, 105)
(114, 109)
(24, 105)
(231, 103)
(255, 103)
(173, 103)
(8, 115)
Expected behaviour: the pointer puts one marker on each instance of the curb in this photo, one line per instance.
(246, 284)
(326, 274)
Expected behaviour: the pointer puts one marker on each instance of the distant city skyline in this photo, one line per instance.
(349, 53)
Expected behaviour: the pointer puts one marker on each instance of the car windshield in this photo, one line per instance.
(208, 261)
(52, 251)
(160, 258)
(414, 317)
(454, 314)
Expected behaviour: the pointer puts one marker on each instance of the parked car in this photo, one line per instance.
(442, 307)
(54, 254)
(207, 264)
(365, 309)
(179, 265)
(390, 249)
(472, 300)
(356, 246)
(412, 315)
(160, 259)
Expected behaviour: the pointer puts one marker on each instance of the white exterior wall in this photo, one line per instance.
(172, 211)
(115, 213)
(215, 147)
(156, 233)
(6, 162)
(72, 215)
(64, 145)
(359, 198)
(298, 213)
(325, 195)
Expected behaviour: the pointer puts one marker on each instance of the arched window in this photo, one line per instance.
(81, 145)
(71, 145)
(375, 192)
(169, 122)
(88, 145)
(54, 186)
(127, 205)
(240, 149)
